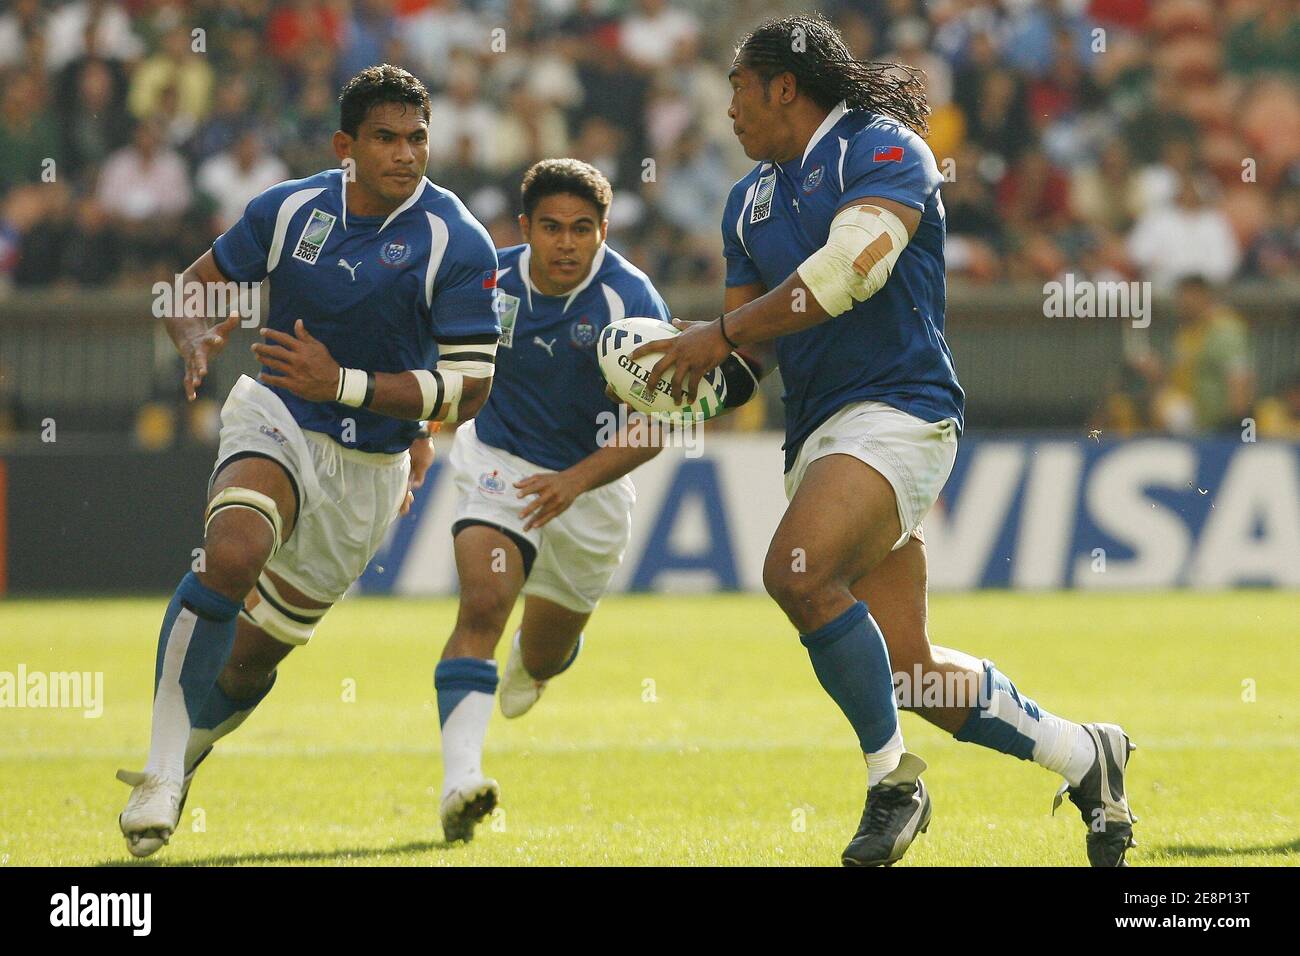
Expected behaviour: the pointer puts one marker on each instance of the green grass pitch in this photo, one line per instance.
(691, 731)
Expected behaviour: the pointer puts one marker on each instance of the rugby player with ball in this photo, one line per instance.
(834, 249)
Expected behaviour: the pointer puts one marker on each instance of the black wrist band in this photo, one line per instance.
(370, 389)
(722, 327)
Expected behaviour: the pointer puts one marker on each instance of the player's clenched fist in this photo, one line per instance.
(197, 350)
(299, 363)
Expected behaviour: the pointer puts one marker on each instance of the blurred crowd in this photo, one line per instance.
(1114, 139)
(1146, 139)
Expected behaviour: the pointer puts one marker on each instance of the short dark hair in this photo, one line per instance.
(553, 176)
(375, 85)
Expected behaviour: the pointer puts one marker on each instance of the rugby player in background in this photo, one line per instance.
(834, 249)
(543, 507)
(384, 272)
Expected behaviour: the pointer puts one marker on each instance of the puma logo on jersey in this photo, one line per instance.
(352, 270)
(549, 346)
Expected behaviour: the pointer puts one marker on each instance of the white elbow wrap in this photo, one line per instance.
(860, 252)
(442, 389)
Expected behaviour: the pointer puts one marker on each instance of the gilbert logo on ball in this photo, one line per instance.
(630, 378)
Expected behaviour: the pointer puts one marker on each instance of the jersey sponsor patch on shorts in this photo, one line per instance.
(318, 228)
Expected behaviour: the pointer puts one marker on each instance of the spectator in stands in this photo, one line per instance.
(461, 113)
(1210, 379)
(20, 27)
(27, 131)
(175, 67)
(98, 27)
(652, 31)
(1187, 237)
(233, 177)
(1267, 41)
(145, 189)
(92, 114)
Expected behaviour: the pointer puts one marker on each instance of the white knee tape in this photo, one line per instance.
(251, 500)
(276, 616)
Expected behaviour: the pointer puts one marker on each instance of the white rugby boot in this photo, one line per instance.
(466, 805)
(519, 690)
(145, 822)
(152, 810)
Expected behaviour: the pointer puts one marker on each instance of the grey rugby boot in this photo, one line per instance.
(898, 808)
(1101, 799)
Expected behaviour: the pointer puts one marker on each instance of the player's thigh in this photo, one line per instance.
(490, 566)
(895, 592)
(239, 537)
(841, 522)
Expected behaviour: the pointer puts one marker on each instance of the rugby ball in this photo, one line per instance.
(628, 377)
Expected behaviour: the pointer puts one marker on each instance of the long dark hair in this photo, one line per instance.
(811, 48)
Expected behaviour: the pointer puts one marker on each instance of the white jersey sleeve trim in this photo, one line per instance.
(617, 310)
(288, 208)
(437, 249)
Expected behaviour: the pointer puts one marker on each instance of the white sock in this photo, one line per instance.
(462, 739)
(171, 719)
(882, 762)
(1063, 747)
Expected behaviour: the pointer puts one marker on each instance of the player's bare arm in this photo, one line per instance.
(850, 267)
(304, 366)
(555, 491)
(194, 339)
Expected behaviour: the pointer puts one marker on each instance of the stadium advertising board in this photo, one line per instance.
(1026, 513)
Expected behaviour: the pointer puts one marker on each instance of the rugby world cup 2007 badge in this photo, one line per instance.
(507, 307)
(763, 194)
(314, 234)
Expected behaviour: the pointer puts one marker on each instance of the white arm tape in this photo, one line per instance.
(860, 252)
(353, 386)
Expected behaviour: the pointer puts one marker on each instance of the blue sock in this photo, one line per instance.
(1002, 719)
(198, 632)
(220, 715)
(466, 687)
(851, 660)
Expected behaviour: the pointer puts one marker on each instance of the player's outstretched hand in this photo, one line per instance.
(690, 356)
(197, 351)
(555, 491)
(421, 459)
(299, 363)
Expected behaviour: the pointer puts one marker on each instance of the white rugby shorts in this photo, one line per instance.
(914, 455)
(577, 553)
(347, 498)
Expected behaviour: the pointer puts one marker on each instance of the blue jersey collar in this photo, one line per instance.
(833, 117)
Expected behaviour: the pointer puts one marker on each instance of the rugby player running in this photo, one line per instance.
(834, 251)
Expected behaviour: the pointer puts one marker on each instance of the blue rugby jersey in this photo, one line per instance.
(548, 390)
(381, 293)
(889, 348)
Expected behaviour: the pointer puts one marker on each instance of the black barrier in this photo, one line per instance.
(101, 522)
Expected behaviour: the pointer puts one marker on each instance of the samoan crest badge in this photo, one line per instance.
(395, 253)
(312, 241)
(582, 333)
(507, 307)
(763, 194)
(814, 179)
(492, 483)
